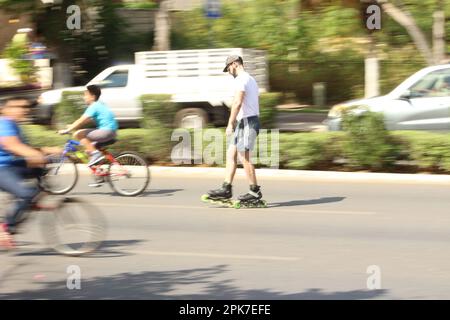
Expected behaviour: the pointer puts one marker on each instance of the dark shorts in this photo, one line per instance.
(245, 134)
(100, 135)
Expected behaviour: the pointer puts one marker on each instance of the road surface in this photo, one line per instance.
(317, 240)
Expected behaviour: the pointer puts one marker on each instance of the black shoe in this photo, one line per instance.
(253, 194)
(225, 192)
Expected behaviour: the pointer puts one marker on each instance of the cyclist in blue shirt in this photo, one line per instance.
(106, 124)
(18, 161)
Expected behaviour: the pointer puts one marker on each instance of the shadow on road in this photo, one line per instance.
(160, 285)
(305, 202)
(149, 193)
(108, 249)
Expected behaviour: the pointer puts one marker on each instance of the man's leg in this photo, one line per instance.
(249, 168)
(245, 146)
(254, 192)
(225, 192)
(231, 164)
(12, 182)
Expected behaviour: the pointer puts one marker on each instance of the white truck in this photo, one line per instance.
(194, 78)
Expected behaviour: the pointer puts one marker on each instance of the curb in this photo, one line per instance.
(298, 175)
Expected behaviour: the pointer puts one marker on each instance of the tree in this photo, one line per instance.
(89, 49)
(15, 52)
(439, 32)
(403, 17)
(162, 27)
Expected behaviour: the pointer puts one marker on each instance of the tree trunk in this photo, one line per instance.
(405, 19)
(372, 70)
(162, 27)
(439, 33)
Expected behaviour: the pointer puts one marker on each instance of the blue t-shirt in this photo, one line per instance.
(9, 128)
(102, 115)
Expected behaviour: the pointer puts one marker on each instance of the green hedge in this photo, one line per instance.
(153, 143)
(39, 136)
(425, 151)
(368, 145)
(267, 108)
(69, 109)
(429, 151)
(157, 110)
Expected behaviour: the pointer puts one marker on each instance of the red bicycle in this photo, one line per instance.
(127, 173)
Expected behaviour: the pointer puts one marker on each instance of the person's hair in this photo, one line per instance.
(95, 91)
(240, 61)
(5, 102)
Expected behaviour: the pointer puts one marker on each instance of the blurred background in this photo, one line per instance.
(307, 41)
(159, 64)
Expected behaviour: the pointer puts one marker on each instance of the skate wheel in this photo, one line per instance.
(205, 198)
(237, 205)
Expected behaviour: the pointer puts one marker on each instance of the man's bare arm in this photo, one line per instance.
(15, 146)
(236, 106)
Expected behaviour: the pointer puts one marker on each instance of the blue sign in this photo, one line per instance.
(213, 9)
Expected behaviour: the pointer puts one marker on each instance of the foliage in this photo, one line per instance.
(158, 110)
(16, 52)
(368, 144)
(267, 109)
(69, 109)
(142, 4)
(426, 151)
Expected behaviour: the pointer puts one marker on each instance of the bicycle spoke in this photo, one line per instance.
(129, 174)
(60, 177)
(74, 228)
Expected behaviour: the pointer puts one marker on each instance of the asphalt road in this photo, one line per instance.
(315, 241)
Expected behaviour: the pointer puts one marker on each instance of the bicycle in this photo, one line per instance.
(71, 226)
(121, 171)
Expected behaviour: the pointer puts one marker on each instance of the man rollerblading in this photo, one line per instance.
(243, 128)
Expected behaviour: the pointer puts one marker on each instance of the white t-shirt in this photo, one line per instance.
(250, 106)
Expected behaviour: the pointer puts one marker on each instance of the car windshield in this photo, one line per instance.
(434, 84)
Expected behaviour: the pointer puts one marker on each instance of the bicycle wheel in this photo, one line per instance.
(74, 227)
(61, 176)
(129, 175)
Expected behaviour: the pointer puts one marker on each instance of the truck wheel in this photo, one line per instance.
(191, 118)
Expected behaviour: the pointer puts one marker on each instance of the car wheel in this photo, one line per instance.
(191, 118)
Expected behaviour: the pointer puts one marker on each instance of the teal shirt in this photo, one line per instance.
(102, 115)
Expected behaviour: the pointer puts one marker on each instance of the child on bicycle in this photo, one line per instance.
(18, 161)
(106, 126)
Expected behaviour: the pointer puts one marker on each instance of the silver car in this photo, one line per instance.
(421, 102)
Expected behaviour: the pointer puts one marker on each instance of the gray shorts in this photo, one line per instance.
(245, 134)
(100, 135)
